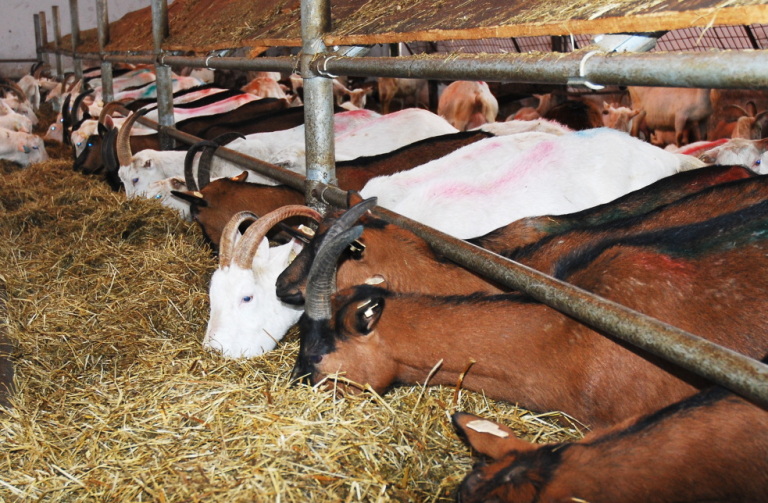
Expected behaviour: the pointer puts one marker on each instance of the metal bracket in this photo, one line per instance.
(323, 71)
(581, 80)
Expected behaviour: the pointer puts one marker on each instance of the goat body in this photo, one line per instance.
(709, 447)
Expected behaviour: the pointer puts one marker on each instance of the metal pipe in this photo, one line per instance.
(38, 38)
(287, 64)
(102, 27)
(75, 18)
(44, 36)
(19, 60)
(728, 69)
(318, 99)
(57, 39)
(164, 80)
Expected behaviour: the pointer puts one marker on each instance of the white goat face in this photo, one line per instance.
(161, 192)
(56, 130)
(139, 175)
(247, 319)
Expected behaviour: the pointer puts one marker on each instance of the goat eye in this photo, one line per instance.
(757, 162)
(159, 196)
(316, 358)
(34, 148)
(135, 181)
(79, 143)
(247, 298)
(90, 144)
(53, 128)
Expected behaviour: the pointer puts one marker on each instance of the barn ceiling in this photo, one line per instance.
(205, 25)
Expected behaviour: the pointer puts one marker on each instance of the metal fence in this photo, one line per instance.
(317, 64)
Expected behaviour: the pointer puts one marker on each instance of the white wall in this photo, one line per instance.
(17, 29)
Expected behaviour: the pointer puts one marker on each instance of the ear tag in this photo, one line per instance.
(485, 426)
(357, 248)
(291, 257)
(369, 312)
(198, 194)
(306, 230)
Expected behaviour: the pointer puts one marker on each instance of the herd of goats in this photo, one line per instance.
(677, 233)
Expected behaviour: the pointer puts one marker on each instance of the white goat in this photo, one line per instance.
(560, 175)
(138, 171)
(385, 134)
(247, 319)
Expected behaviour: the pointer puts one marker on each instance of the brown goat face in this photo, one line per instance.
(513, 476)
(349, 346)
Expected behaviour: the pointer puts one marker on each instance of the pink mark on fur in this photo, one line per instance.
(700, 147)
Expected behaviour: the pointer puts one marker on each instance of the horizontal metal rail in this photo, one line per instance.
(723, 366)
(724, 69)
(20, 60)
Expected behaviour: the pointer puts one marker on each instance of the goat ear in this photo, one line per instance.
(708, 158)
(353, 198)
(261, 257)
(240, 178)
(191, 197)
(487, 437)
(367, 313)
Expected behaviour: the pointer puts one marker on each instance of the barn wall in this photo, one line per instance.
(17, 34)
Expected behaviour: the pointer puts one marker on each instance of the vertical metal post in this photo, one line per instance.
(57, 39)
(44, 36)
(74, 14)
(318, 100)
(102, 26)
(164, 81)
(38, 38)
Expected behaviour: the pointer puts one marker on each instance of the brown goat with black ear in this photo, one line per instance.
(705, 278)
(710, 447)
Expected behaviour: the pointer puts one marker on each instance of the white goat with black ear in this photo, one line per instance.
(247, 319)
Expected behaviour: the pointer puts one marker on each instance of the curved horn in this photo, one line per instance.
(124, 154)
(74, 84)
(108, 109)
(76, 107)
(229, 235)
(39, 70)
(204, 166)
(66, 119)
(108, 152)
(15, 89)
(320, 283)
(348, 219)
(189, 175)
(249, 244)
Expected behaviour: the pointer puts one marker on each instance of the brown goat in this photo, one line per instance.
(577, 115)
(215, 204)
(712, 446)
(705, 278)
(416, 268)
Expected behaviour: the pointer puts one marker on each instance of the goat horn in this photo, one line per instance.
(229, 234)
(108, 152)
(321, 279)
(15, 89)
(124, 154)
(76, 107)
(66, 119)
(248, 246)
(108, 109)
(72, 86)
(189, 175)
(348, 219)
(39, 70)
(204, 166)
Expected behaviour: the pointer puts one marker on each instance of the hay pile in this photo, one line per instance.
(116, 400)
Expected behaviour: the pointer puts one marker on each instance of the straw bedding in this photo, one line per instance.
(116, 400)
